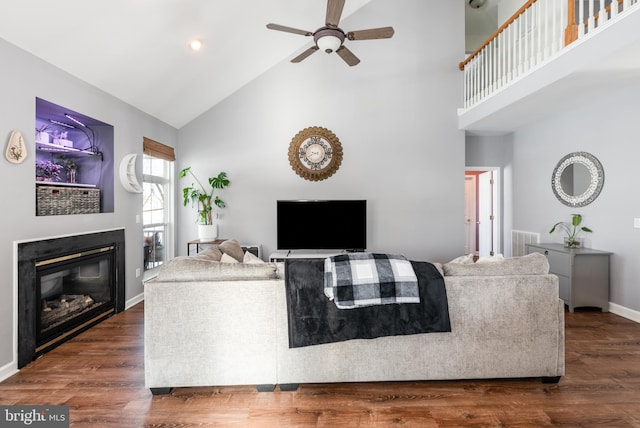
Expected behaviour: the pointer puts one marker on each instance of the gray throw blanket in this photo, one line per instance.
(357, 280)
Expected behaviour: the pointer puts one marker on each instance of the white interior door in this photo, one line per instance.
(486, 217)
(470, 214)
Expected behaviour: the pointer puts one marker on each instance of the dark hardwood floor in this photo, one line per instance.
(100, 375)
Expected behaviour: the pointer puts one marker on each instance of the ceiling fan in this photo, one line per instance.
(330, 38)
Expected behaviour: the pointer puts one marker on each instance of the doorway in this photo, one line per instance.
(482, 220)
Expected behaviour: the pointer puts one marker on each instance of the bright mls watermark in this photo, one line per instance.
(34, 416)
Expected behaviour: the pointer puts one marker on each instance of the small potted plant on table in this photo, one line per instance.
(572, 230)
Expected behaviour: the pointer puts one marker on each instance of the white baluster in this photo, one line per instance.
(525, 40)
(547, 20)
(614, 9)
(503, 57)
(564, 17)
(468, 77)
(580, 18)
(559, 7)
(602, 13)
(538, 31)
(591, 21)
(496, 64)
(487, 71)
(474, 71)
(520, 57)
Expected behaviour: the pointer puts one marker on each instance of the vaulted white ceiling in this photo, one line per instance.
(137, 50)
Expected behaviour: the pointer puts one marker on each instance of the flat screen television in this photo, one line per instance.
(322, 225)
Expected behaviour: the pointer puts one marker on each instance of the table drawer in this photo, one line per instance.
(559, 263)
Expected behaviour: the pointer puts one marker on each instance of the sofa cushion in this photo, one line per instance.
(466, 259)
(490, 259)
(211, 254)
(226, 258)
(232, 248)
(250, 258)
(531, 264)
(186, 268)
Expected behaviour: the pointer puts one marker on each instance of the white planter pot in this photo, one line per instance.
(207, 232)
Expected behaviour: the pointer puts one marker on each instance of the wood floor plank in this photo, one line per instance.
(100, 376)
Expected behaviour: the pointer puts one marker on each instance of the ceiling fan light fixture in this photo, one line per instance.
(329, 39)
(329, 43)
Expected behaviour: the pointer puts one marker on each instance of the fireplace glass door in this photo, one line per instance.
(72, 291)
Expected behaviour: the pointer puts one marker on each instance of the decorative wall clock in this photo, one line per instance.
(315, 153)
(16, 149)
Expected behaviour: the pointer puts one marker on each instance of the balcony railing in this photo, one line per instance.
(537, 32)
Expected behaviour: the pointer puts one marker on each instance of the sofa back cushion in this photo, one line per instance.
(184, 268)
(531, 264)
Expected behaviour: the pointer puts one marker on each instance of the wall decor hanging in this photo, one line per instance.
(315, 153)
(577, 179)
(128, 176)
(16, 149)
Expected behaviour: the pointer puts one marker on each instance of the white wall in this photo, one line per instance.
(23, 78)
(394, 113)
(606, 128)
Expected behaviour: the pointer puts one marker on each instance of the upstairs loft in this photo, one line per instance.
(551, 56)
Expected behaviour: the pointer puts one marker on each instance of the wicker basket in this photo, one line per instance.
(57, 200)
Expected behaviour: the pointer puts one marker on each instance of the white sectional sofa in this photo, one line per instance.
(207, 324)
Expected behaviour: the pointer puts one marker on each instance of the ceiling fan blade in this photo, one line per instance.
(334, 12)
(305, 54)
(373, 33)
(289, 29)
(348, 56)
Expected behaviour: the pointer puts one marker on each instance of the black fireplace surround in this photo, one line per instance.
(65, 286)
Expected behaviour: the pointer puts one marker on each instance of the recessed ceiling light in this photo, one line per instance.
(195, 44)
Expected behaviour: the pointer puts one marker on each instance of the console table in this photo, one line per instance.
(583, 274)
(280, 256)
(198, 243)
(256, 250)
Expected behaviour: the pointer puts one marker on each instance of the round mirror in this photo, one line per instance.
(577, 179)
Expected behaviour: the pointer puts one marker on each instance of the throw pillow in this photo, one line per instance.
(531, 264)
(212, 254)
(491, 259)
(465, 260)
(232, 248)
(250, 258)
(226, 258)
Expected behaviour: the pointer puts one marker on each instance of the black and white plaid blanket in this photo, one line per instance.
(357, 280)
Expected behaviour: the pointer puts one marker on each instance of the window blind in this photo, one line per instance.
(157, 150)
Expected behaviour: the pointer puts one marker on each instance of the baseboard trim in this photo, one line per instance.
(8, 370)
(133, 301)
(624, 312)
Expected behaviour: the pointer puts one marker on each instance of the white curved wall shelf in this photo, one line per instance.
(128, 177)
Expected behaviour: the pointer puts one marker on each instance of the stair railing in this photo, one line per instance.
(535, 33)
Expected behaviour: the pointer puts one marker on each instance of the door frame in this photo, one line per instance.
(495, 199)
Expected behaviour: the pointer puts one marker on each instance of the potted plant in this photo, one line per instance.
(47, 171)
(71, 166)
(205, 200)
(572, 230)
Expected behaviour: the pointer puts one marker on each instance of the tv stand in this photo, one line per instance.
(282, 255)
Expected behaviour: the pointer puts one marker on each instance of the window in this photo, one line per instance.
(157, 167)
